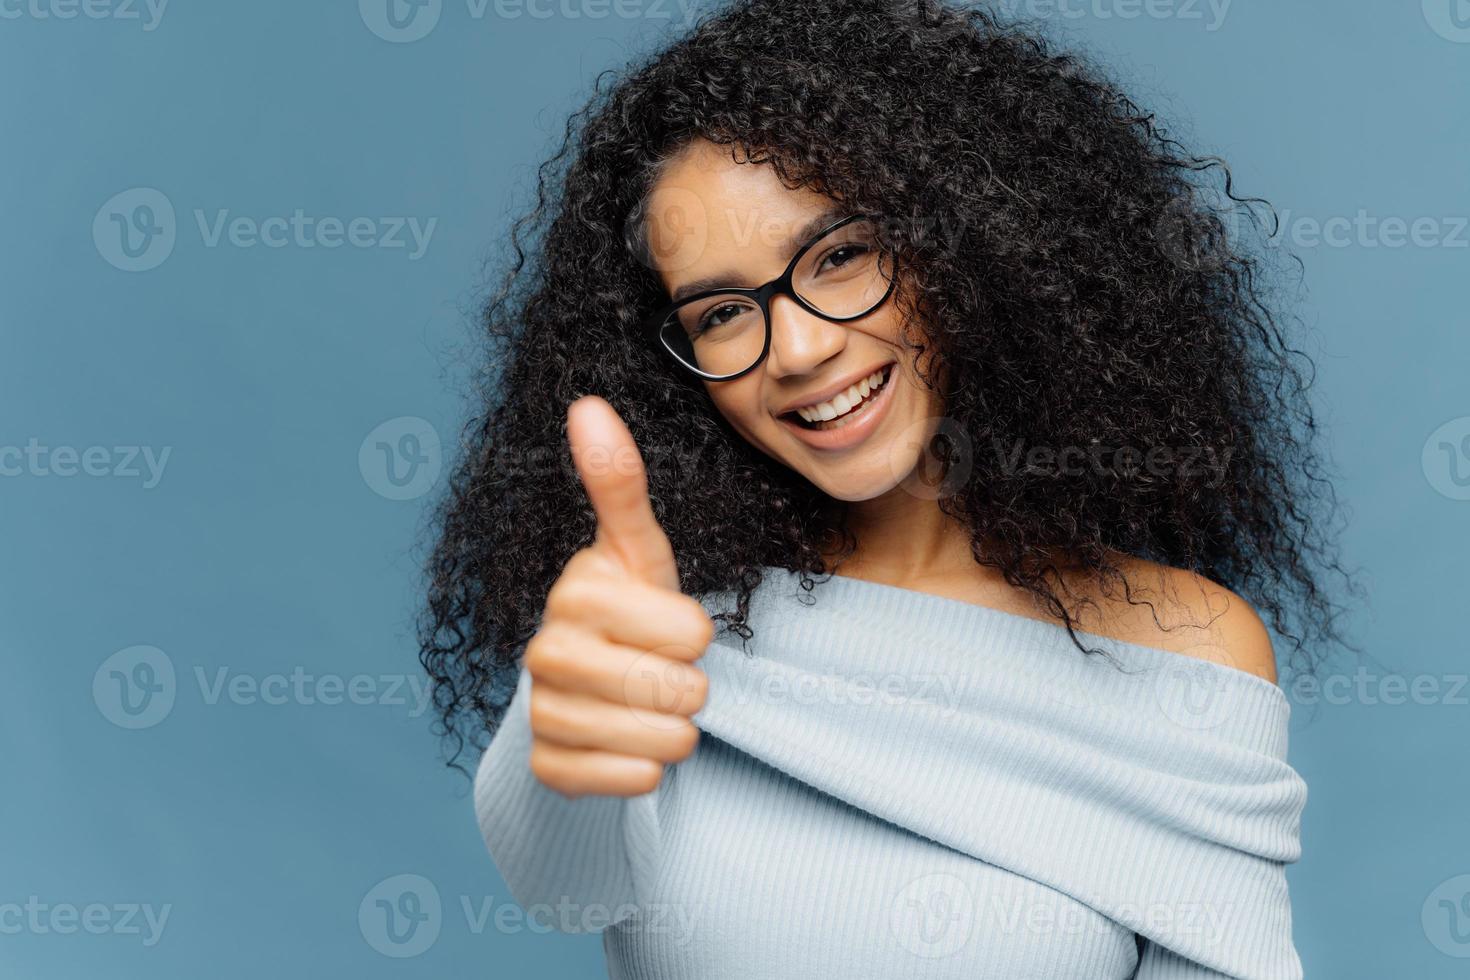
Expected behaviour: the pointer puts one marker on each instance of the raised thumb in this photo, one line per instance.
(612, 472)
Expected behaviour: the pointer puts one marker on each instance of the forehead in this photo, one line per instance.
(710, 213)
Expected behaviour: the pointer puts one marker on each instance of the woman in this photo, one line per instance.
(904, 348)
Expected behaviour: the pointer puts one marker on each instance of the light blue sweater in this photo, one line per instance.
(898, 784)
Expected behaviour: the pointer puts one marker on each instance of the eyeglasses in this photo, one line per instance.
(842, 274)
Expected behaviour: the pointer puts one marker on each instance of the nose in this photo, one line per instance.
(800, 341)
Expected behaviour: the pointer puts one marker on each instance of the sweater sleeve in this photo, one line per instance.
(588, 859)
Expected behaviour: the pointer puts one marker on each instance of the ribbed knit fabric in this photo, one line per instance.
(897, 784)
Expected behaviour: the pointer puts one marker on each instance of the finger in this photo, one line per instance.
(587, 772)
(580, 721)
(612, 471)
(633, 613)
(574, 659)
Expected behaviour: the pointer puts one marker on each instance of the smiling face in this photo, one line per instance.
(840, 403)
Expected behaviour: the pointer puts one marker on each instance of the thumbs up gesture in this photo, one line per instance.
(613, 681)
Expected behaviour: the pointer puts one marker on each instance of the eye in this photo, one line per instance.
(718, 316)
(845, 254)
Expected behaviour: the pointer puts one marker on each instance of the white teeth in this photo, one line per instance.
(844, 402)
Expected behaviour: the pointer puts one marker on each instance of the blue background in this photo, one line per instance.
(265, 548)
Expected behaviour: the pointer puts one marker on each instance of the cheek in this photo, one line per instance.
(739, 402)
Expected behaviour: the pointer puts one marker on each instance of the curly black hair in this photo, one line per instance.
(1079, 281)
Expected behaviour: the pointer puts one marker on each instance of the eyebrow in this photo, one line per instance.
(808, 230)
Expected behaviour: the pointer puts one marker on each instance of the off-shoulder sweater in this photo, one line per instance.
(890, 783)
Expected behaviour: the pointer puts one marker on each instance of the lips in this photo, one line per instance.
(846, 404)
(850, 430)
(796, 409)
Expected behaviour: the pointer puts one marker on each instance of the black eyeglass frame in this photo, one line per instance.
(780, 286)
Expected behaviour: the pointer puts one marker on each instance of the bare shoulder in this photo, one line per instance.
(1183, 612)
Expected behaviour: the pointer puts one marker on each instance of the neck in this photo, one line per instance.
(902, 538)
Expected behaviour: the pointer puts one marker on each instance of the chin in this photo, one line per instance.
(858, 481)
